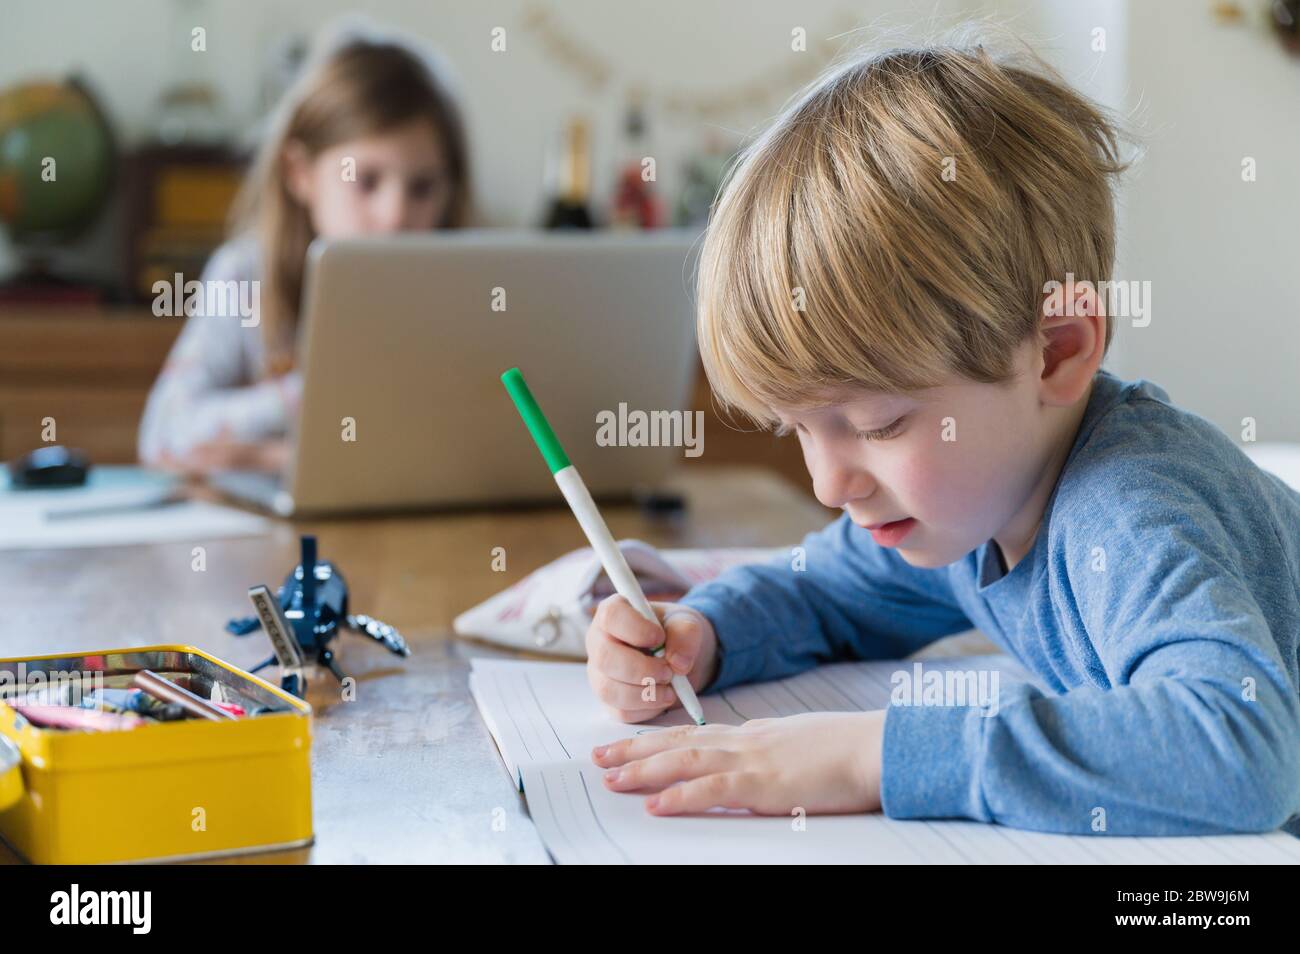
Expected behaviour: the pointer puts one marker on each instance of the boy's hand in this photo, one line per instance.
(820, 762)
(618, 664)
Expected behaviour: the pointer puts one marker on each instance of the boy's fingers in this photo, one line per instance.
(642, 746)
(621, 662)
(682, 639)
(616, 616)
(661, 770)
(620, 695)
(724, 789)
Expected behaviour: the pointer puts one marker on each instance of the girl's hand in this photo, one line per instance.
(634, 685)
(224, 453)
(820, 762)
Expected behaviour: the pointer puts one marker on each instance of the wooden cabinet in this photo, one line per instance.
(90, 369)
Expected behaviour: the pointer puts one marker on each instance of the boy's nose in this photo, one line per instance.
(836, 483)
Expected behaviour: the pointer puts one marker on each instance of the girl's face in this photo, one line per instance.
(390, 182)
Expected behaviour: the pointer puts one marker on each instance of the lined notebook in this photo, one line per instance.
(545, 722)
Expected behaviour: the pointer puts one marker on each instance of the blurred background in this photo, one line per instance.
(565, 95)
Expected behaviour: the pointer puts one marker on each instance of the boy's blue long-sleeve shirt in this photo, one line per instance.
(1160, 604)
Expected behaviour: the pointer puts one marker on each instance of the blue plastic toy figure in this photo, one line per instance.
(315, 605)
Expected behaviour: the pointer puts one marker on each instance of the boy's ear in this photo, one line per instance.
(296, 165)
(1073, 336)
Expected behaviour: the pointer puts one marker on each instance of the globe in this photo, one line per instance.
(56, 160)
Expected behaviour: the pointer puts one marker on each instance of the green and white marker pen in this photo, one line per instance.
(593, 525)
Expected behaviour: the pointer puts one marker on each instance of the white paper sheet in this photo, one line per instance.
(25, 528)
(545, 722)
(106, 486)
(582, 822)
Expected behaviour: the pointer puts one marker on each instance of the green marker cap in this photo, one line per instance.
(538, 426)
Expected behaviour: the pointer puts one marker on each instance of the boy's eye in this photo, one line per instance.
(368, 181)
(882, 434)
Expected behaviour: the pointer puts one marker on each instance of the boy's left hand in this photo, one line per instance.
(821, 762)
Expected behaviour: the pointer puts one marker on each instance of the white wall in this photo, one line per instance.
(1221, 254)
(514, 101)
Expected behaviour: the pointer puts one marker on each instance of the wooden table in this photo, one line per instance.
(407, 772)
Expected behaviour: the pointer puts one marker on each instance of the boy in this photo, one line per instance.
(887, 274)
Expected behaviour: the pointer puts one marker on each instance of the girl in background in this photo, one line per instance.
(369, 142)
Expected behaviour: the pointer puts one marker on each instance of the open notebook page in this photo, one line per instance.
(545, 712)
(545, 722)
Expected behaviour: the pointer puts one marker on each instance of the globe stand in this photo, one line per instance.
(38, 281)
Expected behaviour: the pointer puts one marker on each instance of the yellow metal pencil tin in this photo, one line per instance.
(190, 788)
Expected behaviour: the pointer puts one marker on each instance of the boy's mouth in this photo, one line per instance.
(890, 534)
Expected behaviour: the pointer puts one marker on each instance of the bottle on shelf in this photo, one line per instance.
(569, 207)
(636, 202)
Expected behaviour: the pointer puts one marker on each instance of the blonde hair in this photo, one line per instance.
(363, 87)
(905, 274)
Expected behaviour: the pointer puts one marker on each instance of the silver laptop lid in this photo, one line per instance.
(405, 338)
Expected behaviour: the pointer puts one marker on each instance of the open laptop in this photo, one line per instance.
(403, 342)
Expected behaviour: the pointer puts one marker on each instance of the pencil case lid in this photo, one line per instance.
(549, 610)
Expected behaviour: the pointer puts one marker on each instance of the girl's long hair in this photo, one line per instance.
(364, 87)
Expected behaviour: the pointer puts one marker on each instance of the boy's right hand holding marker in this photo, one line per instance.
(819, 762)
(619, 662)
